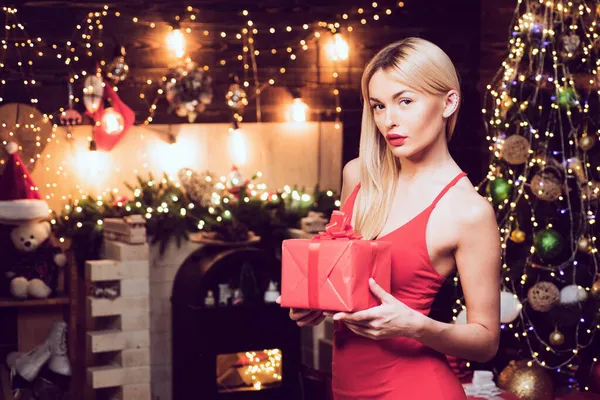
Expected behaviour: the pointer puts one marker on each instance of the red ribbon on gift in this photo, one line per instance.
(338, 228)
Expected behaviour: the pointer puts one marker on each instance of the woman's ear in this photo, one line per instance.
(451, 102)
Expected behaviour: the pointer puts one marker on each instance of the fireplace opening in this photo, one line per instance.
(228, 343)
(250, 370)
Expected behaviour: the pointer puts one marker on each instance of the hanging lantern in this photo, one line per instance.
(176, 42)
(112, 122)
(93, 90)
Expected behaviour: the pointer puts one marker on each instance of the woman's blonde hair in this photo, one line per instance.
(426, 68)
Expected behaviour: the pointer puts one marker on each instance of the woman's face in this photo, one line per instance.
(410, 121)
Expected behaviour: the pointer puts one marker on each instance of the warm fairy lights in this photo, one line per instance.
(88, 42)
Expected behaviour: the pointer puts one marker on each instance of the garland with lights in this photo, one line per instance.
(173, 209)
(542, 114)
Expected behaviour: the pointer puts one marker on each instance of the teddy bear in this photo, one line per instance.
(33, 261)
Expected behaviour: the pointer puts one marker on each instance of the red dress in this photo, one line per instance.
(398, 368)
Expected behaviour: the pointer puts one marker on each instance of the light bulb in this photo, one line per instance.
(338, 48)
(299, 109)
(176, 42)
(112, 122)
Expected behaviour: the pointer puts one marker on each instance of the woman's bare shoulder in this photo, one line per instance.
(350, 178)
(468, 205)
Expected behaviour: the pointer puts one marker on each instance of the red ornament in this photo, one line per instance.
(105, 140)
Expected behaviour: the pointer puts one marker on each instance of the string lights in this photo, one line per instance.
(84, 55)
(542, 123)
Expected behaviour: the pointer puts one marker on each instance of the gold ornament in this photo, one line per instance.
(557, 338)
(525, 382)
(583, 244)
(543, 296)
(515, 149)
(546, 186)
(586, 142)
(595, 291)
(518, 236)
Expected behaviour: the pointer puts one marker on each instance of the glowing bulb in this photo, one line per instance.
(299, 109)
(176, 42)
(338, 48)
(112, 122)
(237, 147)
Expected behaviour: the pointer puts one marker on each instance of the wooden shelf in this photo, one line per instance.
(16, 303)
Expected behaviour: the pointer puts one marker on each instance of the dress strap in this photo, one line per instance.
(448, 186)
(348, 206)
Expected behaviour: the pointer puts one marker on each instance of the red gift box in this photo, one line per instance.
(331, 271)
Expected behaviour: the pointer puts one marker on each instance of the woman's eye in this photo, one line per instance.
(406, 101)
(377, 106)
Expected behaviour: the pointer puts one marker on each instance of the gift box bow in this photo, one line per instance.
(339, 227)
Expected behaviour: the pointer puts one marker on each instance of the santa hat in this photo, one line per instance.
(19, 196)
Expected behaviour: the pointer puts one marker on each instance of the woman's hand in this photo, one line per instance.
(390, 319)
(305, 317)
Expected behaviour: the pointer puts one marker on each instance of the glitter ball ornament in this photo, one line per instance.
(548, 243)
(518, 236)
(188, 90)
(117, 69)
(543, 296)
(526, 382)
(515, 149)
(557, 338)
(498, 190)
(236, 96)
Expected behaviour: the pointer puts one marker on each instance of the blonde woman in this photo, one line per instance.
(405, 188)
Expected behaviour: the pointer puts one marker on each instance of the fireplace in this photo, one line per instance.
(235, 350)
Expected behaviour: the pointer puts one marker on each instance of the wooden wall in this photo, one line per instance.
(286, 154)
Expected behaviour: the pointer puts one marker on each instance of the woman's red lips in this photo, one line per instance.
(391, 136)
(394, 139)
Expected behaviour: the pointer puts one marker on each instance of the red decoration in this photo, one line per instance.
(338, 228)
(331, 271)
(103, 140)
(20, 198)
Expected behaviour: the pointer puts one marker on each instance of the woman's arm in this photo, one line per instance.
(478, 262)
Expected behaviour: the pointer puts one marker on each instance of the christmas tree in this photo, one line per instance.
(542, 118)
